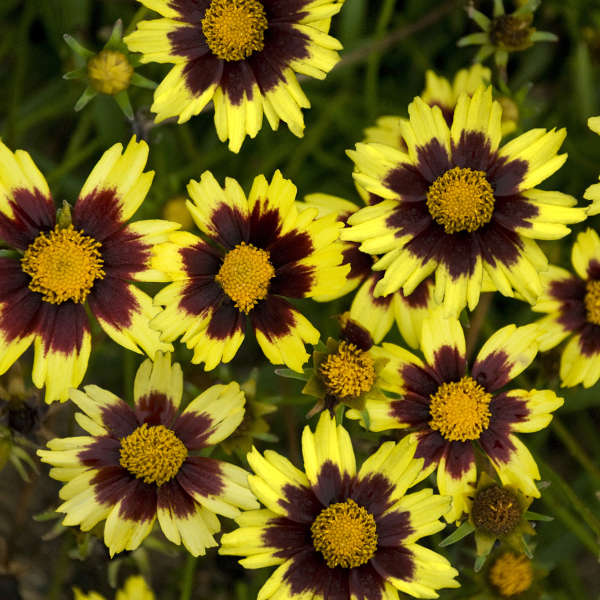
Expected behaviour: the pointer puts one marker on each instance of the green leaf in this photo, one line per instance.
(458, 534)
(533, 516)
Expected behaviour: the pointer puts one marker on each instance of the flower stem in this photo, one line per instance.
(187, 581)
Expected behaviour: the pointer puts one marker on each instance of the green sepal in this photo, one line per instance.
(122, 99)
(143, 82)
(76, 74)
(87, 95)
(77, 47)
(304, 376)
(473, 39)
(479, 562)
(482, 20)
(115, 40)
(458, 534)
(533, 516)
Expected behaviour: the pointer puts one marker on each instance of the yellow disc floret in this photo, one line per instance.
(234, 29)
(109, 72)
(460, 410)
(245, 275)
(152, 453)
(63, 264)
(592, 301)
(461, 200)
(511, 574)
(345, 534)
(349, 372)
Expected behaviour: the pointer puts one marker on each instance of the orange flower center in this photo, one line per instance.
(234, 29)
(460, 410)
(245, 275)
(461, 200)
(63, 265)
(511, 574)
(152, 453)
(592, 301)
(109, 72)
(345, 534)
(349, 372)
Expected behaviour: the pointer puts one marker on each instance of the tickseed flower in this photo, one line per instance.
(451, 408)
(85, 258)
(346, 372)
(338, 533)
(505, 33)
(511, 574)
(135, 588)
(141, 463)
(593, 191)
(459, 206)
(261, 250)
(376, 314)
(110, 71)
(242, 55)
(573, 306)
(439, 91)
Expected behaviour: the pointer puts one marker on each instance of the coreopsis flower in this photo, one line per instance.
(86, 257)
(593, 191)
(242, 55)
(452, 409)
(142, 463)
(338, 533)
(111, 71)
(346, 372)
(512, 575)
(505, 33)
(135, 588)
(261, 250)
(457, 205)
(573, 306)
(376, 314)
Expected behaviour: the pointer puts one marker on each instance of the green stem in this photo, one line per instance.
(575, 449)
(187, 581)
(60, 570)
(560, 484)
(385, 15)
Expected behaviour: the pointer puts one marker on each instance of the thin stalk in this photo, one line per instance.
(477, 321)
(60, 570)
(385, 15)
(187, 581)
(575, 449)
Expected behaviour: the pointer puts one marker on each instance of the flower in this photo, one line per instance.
(458, 206)
(375, 314)
(505, 33)
(511, 574)
(338, 533)
(573, 306)
(110, 71)
(451, 408)
(141, 463)
(242, 55)
(85, 259)
(135, 588)
(260, 250)
(439, 91)
(593, 191)
(346, 372)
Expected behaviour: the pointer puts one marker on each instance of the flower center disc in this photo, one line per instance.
(109, 72)
(63, 265)
(460, 410)
(152, 453)
(496, 510)
(511, 574)
(245, 275)
(592, 301)
(345, 534)
(234, 29)
(511, 33)
(461, 200)
(349, 372)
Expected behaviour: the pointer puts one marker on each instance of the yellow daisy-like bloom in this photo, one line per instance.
(457, 205)
(511, 574)
(142, 463)
(135, 588)
(441, 92)
(262, 250)
(573, 306)
(375, 314)
(335, 532)
(85, 259)
(450, 408)
(242, 55)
